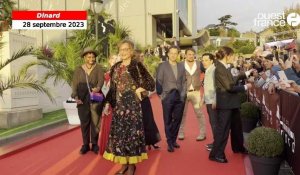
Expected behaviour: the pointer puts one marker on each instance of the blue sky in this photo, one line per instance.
(243, 12)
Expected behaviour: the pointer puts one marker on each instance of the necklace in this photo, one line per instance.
(88, 67)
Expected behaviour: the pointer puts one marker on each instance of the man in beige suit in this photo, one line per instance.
(193, 82)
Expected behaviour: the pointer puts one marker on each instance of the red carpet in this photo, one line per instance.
(61, 156)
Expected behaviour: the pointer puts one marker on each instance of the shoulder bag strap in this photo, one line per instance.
(87, 82)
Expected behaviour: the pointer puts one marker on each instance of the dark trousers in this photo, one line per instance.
(212, 114)
(89, 115)
(152, 135)
(172, 111)
(227, 119)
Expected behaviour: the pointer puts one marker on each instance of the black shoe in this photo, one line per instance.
(209, 147)
(133, 172)
(218, 159)
(242, 151)
(122, 172)
(170, 148)
(95, 148)
(155, 146)
(84, 149)
(176, 145)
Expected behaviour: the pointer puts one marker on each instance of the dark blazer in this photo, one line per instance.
(226, 87)
(138, 72)
(79, 84)
(166, 81)
(160, 52)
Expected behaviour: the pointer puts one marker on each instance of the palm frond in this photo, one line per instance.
(24, 82)
(24, 70)
(23, 52)
(1, 45)
(55, 69)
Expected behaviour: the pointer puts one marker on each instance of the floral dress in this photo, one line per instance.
(126, 143)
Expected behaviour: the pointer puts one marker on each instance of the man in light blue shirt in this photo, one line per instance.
(210, 91)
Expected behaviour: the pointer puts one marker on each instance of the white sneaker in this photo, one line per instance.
(180, 136)
(201, 138)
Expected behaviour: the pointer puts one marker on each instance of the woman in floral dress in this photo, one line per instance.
(126, 143)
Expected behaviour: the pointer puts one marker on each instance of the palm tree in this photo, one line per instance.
(61, 59)
(21, 80)
(121, 32)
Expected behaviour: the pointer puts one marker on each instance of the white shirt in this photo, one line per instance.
(191, 71)
(209, 85)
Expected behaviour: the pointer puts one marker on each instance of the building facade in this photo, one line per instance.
(150, 21)
(154, 21)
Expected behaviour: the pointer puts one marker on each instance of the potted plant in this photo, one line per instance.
(71, 111)
(249, 116)
(265, 147)
(6, 17)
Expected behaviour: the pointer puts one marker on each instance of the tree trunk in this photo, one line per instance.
(4, 26)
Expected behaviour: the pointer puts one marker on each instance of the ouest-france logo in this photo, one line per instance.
(293, 19)
(277, 19)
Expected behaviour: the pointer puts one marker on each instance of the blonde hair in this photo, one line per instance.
(126, 41)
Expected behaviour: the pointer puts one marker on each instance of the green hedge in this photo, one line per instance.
(265, 142)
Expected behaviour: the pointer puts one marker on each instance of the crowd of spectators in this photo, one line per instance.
(272, 70)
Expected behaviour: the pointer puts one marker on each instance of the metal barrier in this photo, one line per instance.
(281, 111)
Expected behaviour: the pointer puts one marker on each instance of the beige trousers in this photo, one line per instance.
(195, 98)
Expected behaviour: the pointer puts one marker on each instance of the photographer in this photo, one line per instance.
(264, 78)
(292, 72)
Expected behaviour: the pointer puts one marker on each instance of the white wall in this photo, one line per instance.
(137, 15)
(192, 17)
(61, 91)
(17, 99)
(158, 7)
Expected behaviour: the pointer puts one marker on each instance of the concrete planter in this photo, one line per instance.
(249, 124)
(72, 113)
(265, 165)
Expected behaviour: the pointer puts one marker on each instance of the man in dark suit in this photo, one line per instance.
(228, 104)
(171, 86)
(162, 52)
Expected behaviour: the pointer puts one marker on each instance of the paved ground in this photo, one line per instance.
(40, 138)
